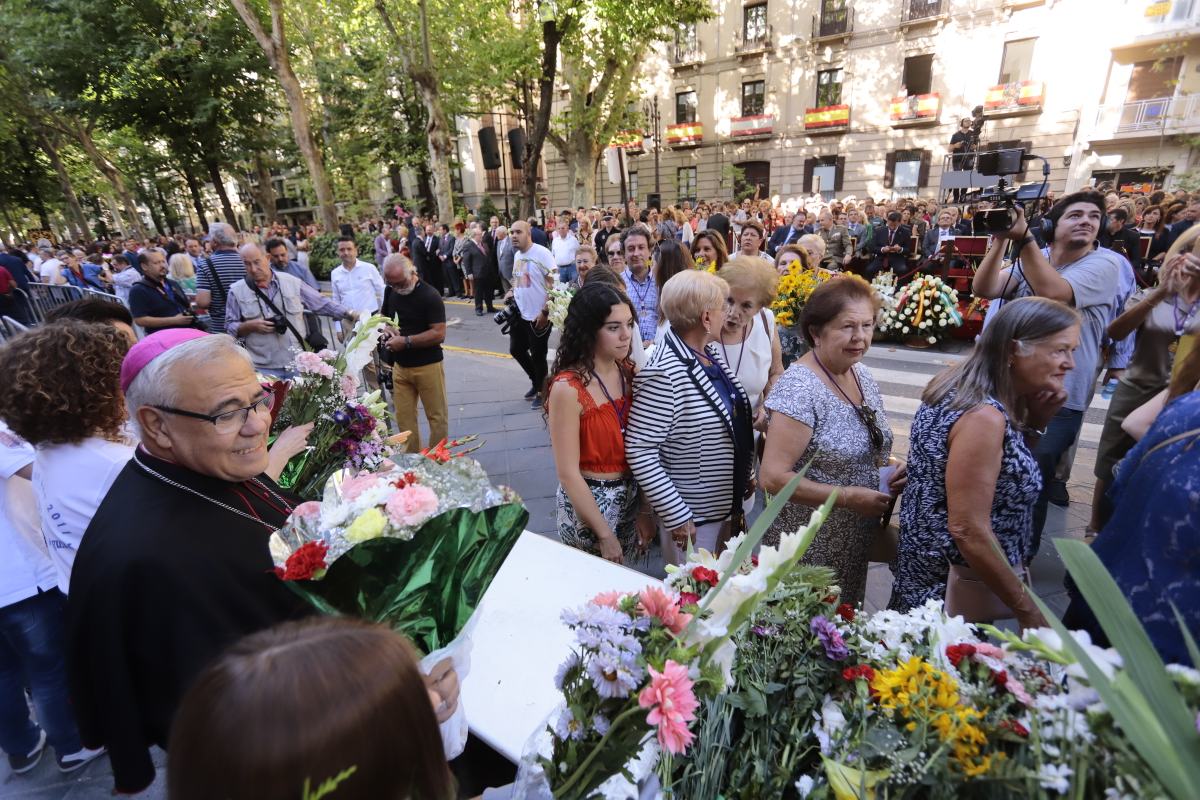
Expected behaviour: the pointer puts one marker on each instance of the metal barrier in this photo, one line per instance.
(46, 297)
(9, 328)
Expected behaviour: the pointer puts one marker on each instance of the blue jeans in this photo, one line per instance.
(566, 274)
(1060, 436)
(32, 653)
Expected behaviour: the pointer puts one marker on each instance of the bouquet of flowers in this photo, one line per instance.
(414, 547)
(795, 287)
(644, 661)
(704, 264)
(925, 308)
(560, 299)
(350, 431)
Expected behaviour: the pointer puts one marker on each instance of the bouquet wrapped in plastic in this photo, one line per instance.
(414, 547)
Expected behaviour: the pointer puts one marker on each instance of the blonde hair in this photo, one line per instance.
(180, 267)
(813, 239)
(687, 295)
(752, 274)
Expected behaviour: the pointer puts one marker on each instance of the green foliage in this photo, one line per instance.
(487, 209)
(322, 252)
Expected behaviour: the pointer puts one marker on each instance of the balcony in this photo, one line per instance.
(834, 22)
(919, 12)
(915, 109)
(758, 41)
(1155, 117)
(1014, 99)
(686, 55)
(1154, 22)
(827, 119)
(758, 126)
(630, 141)
(685, 134)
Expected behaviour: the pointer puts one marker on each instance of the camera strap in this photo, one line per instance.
(262, 296)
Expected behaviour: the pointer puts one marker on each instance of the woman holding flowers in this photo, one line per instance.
(826, 411)
(588, 400)
(708, 250)
(974, 478)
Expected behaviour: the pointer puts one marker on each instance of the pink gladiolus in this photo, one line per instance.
(609, 599)
(654, 602)
(672, 705)
(411, 505)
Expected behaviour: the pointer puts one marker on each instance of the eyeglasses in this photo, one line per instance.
(227, 421)
(615, 252)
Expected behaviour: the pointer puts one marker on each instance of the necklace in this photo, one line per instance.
(742, 351)
(621, 415)
(286, 505)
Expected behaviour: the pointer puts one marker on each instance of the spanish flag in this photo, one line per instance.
(826, 117)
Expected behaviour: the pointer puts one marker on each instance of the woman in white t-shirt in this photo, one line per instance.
(64, 397)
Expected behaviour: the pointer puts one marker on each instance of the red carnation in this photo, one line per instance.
(706, 575)
(1015, 727)
(754, 560)
(957, 652)
(304, 563)
(863, 671)
(846, 612)
(688, 599)
(1000, 678)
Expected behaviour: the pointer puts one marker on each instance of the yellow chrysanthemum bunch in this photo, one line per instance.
(795, 287)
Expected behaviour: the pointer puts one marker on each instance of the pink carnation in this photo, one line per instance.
(609, 599)
(309, 510)
(654, 602)
(356, 485)
(349, 385)
(672, 705)
(990, 650)
(313, 364)
(411, 505)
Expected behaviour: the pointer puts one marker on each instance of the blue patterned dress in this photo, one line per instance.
(926, 548)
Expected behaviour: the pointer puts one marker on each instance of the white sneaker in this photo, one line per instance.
(78, 760)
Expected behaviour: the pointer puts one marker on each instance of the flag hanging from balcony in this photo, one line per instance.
(746, 127)
(916, 107)
(826, 117)
(1022, 94)
(685, 133)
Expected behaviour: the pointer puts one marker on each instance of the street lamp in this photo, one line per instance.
(654, 122)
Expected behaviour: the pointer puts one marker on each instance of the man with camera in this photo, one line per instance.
(526, 310)
(265, 310)
(156, 301)
(414, 350)
(1072, 271)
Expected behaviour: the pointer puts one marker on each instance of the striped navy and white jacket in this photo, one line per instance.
(689, 455)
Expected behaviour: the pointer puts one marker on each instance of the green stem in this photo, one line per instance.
(574, 778)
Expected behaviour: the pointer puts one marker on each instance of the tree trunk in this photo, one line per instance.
(76, 219)
(193, 185)
(425, 188)
(552, 35)
(214, 175)
(115, 209)
(581, 159)
(169, 215)
(266, 189)
(13, 228)
(148, 200)
(31, 183)
(274, 45)
(84, 136)
(394, 180)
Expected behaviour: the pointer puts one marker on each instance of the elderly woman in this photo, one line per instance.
(826, 411)
(689, 439)
(967, 513)
(752, 239)
(749, 341)
(708, 250)
(814, 245)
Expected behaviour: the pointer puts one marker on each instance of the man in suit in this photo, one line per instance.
(931, 245)
(493, 256)
(787, 234)
(889, 246)
(445, 257)
(475, 263)
(504, 258)
(424, 250)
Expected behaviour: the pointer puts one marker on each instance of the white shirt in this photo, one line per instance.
(123, 281)
(564, 249)
(25, 568)
(529, 279)
(70, 480)
(50, 270)
(360, 288)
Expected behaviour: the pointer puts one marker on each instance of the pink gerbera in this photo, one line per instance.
(672, 705)
(609, 599)
(654, 602)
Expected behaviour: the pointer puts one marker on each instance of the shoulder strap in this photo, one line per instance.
(1167, 442)
(215, 277)
(262, 296)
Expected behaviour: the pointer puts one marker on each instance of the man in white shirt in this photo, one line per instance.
(563, 245)
(357, 285)
(50, 270)
(529, 335)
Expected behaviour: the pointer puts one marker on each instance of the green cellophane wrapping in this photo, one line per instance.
(427, 587)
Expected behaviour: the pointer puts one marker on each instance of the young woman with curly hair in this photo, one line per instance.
(588, 397)
(64, 398)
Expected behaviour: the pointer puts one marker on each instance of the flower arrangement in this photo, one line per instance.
(926, 308)
(559, 301)
(702, 263)
(795, 287)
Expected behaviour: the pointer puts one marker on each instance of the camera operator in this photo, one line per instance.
(1071, 270)
(529, 337)
(266, 309)
(415, 350)
(156, 301)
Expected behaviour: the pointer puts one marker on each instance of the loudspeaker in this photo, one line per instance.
(516, 146)
(654, 200)
(489, 147)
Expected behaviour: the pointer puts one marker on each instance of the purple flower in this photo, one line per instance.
(831, 640)
(765, 630)
(341, 417)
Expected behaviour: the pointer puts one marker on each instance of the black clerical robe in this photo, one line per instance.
(164, 581)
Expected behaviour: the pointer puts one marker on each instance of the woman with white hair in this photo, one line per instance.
(967, 512)
(689, 440)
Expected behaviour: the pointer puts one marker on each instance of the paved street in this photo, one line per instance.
(485, 388)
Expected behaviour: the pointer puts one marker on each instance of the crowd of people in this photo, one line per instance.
(139, 605)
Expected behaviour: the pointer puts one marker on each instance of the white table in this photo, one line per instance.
(519, 640)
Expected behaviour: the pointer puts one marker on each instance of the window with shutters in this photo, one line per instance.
(829, 87)
(823, 175)
(753, 98)
(456, 180)
(686, 107)
(754, 23)
(685, 179)
(1153, 79)
(906, 171)
(918, 75)
(1016, 63)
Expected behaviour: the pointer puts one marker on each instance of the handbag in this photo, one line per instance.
(969, 597)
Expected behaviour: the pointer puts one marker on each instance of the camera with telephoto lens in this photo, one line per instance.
(279, 324)
(505, 316)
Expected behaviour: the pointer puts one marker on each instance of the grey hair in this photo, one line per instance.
(985, 373)
(399, 258)
(222, 234)
(154, 385)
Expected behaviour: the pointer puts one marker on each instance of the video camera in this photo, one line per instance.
(1002, 164)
